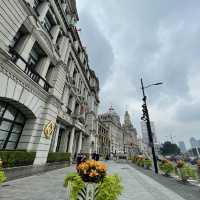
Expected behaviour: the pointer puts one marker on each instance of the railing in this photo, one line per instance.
(30, 71)
(69, 111)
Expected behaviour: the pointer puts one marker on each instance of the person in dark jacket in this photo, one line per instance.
(97, 157)
(94, 156)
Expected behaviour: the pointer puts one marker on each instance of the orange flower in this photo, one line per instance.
(83, 166)
(93, 174)
(102, 167)
(180, 164)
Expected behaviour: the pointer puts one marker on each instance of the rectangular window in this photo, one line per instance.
(21, 33)
(49, 22)
(35, 55)
(2, 108)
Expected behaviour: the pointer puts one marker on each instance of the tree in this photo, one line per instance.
(169, 148)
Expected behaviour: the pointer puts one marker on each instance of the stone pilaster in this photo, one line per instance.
(80, 142)
(43, 9)
(71, 140)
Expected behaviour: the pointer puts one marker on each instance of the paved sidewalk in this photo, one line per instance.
(49, 186)
(138, 186)
(46, 186)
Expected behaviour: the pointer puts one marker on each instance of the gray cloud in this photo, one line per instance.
(188, 113)
(157, 40)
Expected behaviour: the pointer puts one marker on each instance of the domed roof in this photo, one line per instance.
(112, 115)
(115, 117)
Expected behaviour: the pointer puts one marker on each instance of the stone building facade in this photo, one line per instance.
(123, 138)
(45, 79)
(112, 121)
(130, 136)
(103, 139)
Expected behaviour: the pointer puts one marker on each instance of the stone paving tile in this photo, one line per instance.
(139, 186)
(49, 186)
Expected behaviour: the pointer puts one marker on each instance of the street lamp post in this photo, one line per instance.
(146, 118)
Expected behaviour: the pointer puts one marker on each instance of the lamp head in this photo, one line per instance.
(159, 83)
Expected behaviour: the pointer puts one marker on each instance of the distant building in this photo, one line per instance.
(130, 135)
(103, 139)
(182, 147)
(123, 138)
(112, 120)
(194, 143)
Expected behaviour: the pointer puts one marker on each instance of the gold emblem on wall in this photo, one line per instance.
(49, 129)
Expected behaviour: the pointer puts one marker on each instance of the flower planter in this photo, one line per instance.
(185, 172)
(92, 183)
(198, 172)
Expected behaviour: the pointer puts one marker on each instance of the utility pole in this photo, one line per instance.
(148, 124)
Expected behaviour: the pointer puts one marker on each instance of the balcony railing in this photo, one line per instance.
(69, 111)
(30, 71)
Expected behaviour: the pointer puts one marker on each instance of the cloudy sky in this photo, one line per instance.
(156, 40)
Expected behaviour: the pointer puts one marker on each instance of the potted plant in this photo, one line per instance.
(185, 171)
(147, 163)
(198, 168)
(140, 161)
(2, 174)
(166, 167)
(91, 182)
(134, 159)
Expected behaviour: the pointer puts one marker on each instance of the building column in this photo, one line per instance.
(80, 142)
(64, 6)
(72, 67)
(71, 140)
(56, 138)
(43, 9)
(24, 48)
(31, 2)
(63, 45)
(77, 79)
(73, 104)
(54, 32)
(66, 96)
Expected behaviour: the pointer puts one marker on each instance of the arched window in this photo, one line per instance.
(11, 125)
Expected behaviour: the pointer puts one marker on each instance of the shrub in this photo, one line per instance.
(147, 163)
(167, 167)
(110, 188)
(58, 157)
(185, 172)
(140, 161)
(134, 159)
(16, 158)
(75, 182)
(2, 176)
